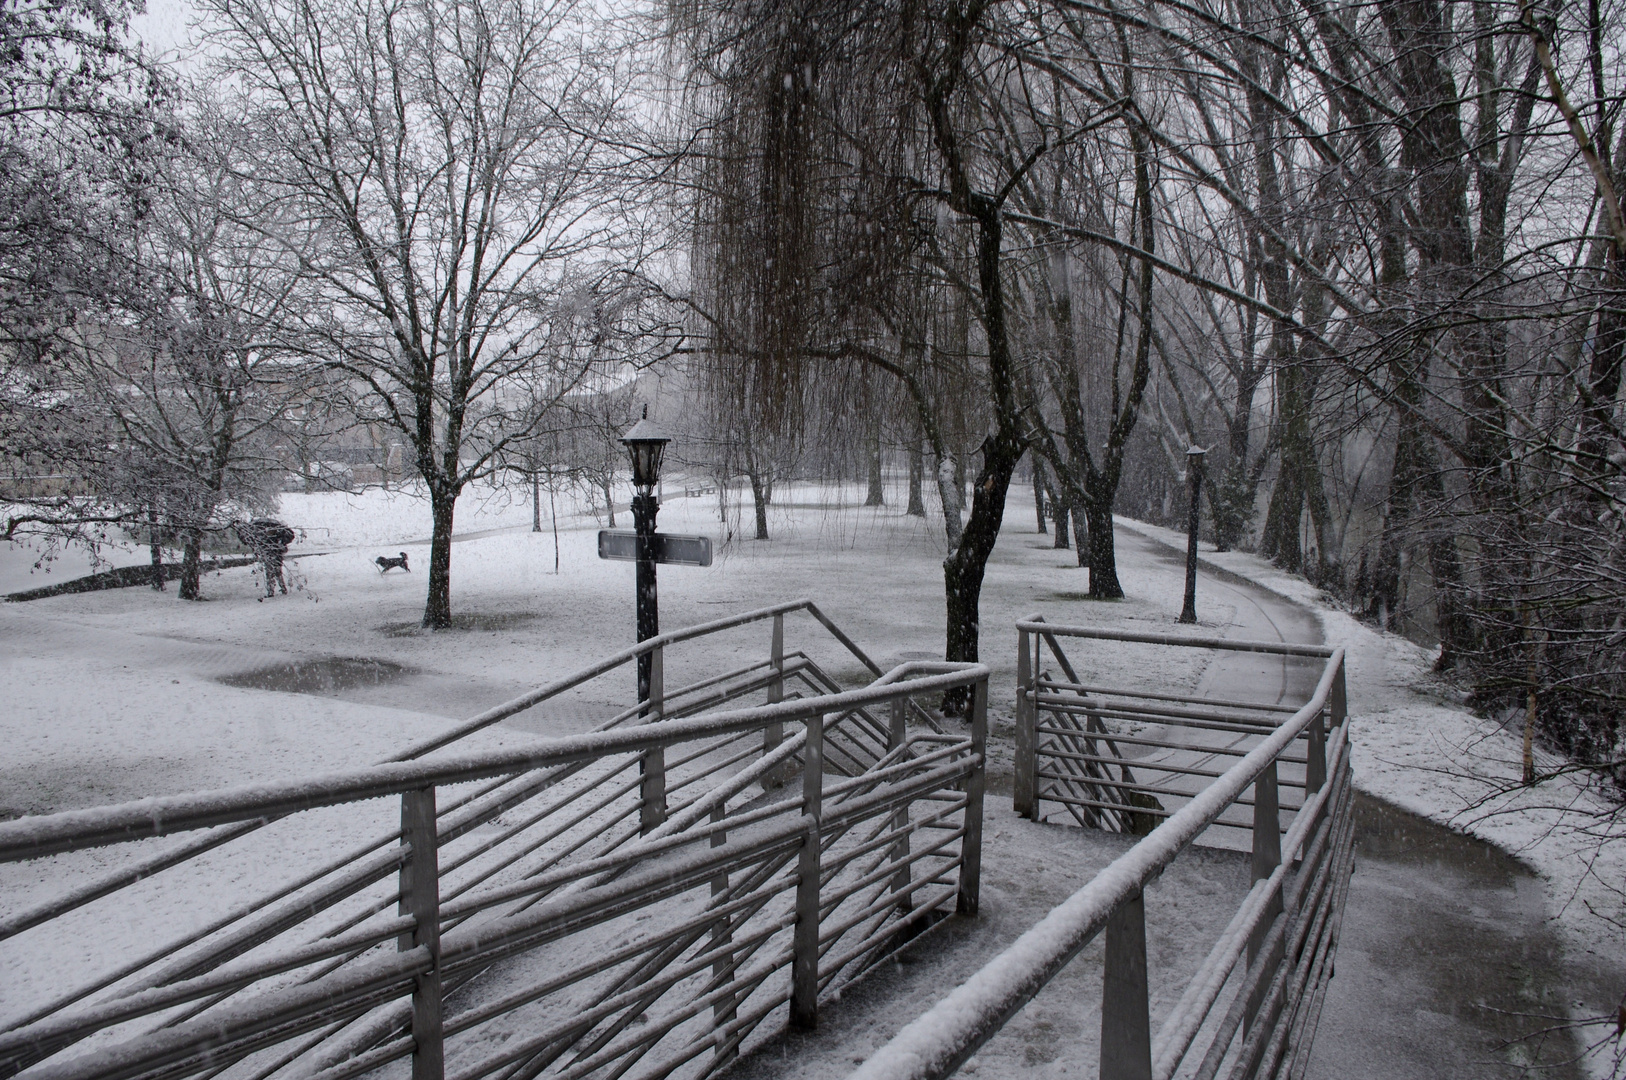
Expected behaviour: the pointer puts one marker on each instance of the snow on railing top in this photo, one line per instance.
(941, 1040)
(34, 837)
(1036, 625)
(542, 693)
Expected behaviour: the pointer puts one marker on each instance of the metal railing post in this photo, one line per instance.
(774, 734)
(1340, 696)
(804, 964)
(420, 898)
(1315, 755)
(652, 766)
(1267, 855)
(1126, 1027)
(975, 784)
(722, 935)
(899, 852)
(1026, 798)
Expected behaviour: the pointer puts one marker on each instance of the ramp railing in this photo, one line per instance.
(638, 899)
(1251, 1009)
(1116, 758)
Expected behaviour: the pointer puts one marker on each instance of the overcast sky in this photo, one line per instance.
(163, 29)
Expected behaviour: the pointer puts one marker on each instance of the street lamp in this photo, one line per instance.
(1194, 476)
(646, 444)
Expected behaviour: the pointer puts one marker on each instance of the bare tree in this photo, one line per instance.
(464, 161)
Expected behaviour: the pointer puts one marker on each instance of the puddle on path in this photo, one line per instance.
(1446, 965)
(326, 677)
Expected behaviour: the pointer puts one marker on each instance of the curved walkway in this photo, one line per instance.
(1446, 962)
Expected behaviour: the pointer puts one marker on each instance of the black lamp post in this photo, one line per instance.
(1194, 476)
(645, 443)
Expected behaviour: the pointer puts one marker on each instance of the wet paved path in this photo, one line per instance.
(1446, 961)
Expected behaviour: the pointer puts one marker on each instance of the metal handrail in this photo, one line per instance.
(937, 1043)
(35, 837)
(143, 869)
(584, 892)
(535, 697)
(1036, 625)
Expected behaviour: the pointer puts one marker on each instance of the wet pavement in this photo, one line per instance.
(1446, 965)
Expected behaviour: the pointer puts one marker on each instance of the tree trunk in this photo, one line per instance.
(192, 566)
(963, 570)
(157, 553)
(609, 502)
(1104, 583)
(948, 493)
(437, 611)
(1061, 508)
(536, 503)
(876, 495)
(1038, 493)
(759, 497)
(917, 471)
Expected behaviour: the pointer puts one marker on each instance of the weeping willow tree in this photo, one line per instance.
(848, 220)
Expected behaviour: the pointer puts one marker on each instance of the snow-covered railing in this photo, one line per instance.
(641, 896)
(770, 676)
(1122, 777)
(1258, 995)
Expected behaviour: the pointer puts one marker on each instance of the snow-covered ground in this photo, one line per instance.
(115, 695)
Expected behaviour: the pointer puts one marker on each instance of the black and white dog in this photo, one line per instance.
(386, 564)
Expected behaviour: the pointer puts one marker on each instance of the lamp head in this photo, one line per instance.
(645, 444)
(1195, 452)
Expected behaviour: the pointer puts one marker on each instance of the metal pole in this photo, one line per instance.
(1126, 1028)
(1025, 800)
(774, 734)
(897, 734)
(975, 784)
(1194, 473)
(420, 898)
(804, 967)
(1267, 856)
(644, 508)
(651, 765)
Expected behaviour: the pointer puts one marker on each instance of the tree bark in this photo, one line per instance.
(761, 490)
(157, 552)
(192, 565)
(1061, 513)
(1038, 493)
(917, 470)
(876, 495)
(437, 610)
(759, 498)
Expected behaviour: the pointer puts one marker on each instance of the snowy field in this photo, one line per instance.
(117, 695)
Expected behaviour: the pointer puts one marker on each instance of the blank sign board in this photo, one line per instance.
(622, 544)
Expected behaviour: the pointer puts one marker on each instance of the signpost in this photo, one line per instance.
(621, 545)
